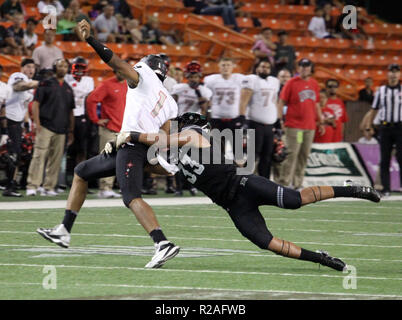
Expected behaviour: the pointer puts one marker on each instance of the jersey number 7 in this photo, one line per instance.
(159, 104)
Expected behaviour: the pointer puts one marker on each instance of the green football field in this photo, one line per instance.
(109, 250)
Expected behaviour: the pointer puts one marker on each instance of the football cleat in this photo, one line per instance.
(58, 235)
(367, 193)
(331, 262)
(363, 192)
(164, 251)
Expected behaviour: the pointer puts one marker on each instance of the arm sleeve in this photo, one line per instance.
(247, 83)
(93, 98)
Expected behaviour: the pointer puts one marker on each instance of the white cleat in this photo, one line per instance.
(107, 194)
(58, 235)
(164, 251)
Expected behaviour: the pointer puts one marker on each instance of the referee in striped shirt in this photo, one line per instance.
(388, 101)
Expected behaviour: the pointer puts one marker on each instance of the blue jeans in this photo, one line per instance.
(226, 12)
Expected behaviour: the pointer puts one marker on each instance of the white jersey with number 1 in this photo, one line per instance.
(149, 105)
(226, 95)
(262, 105)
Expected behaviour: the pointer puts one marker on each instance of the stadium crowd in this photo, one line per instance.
(53, 117)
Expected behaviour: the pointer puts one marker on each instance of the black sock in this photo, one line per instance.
(343, 192)
(157, 235)
(310, 256)
(69, 218)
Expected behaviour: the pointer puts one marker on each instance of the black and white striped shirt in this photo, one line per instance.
(388, 100)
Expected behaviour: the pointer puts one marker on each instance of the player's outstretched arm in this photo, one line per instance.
(83, 31)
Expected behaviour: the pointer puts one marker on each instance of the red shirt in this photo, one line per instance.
(341, 117)
(301, 97)
(328, 136)
(112, 95)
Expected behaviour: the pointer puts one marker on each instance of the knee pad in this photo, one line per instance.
(260, 238)
(289, 198)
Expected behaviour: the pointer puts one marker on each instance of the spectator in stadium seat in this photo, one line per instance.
(106, 25)
(328, 18)
(151, 33)
(367, 94)
(135, 34)
(3, 43)
(206, 7)
(9, 8)
(285, 53)
(46, 54)
(264, 47)
(15, 36)
(42, 6)
(316, 27)
(54, 118)
(328, 117)
(66, 24)
(338, 106)
(30, 37)
(121, 7)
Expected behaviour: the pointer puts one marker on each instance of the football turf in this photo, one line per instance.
(109, 249)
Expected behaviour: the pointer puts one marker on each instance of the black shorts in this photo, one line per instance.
(130, 163)
(101, 166)
(252, 192)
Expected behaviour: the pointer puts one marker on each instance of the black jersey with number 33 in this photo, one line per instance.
(205, 169)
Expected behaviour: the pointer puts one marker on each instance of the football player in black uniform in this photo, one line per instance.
(201, 160)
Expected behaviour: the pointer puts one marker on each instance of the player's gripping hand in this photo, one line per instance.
(110, 147)
(122, 138)
(83, 30)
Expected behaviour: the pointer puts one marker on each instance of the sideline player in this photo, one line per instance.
(149, 107)
(226, 88)
(258, 100)
(192, 96)
(82, 85)
(242, 195)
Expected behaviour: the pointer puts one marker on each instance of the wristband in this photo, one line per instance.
(104, 52)
(134, 136)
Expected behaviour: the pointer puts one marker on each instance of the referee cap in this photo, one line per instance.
(394, 66)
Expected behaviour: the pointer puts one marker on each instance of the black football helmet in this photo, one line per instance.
(191, 119)
(156, 63)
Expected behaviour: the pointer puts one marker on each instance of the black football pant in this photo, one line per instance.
(127, 164)
(13, 148)
(390, 136)
(254, 191)
(264, 145)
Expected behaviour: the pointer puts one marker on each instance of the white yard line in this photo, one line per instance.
(210, 239)
(230, 272)
(228, 290)
(101, 203)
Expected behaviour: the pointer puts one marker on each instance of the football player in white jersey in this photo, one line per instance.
(259, 98)
(16, 112)
(226, 88)
(192, 96)
(149, 107)
(82, 85)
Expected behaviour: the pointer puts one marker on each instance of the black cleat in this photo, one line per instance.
(367, 193)
(11, 193)
(170, 189)
(331, 262)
